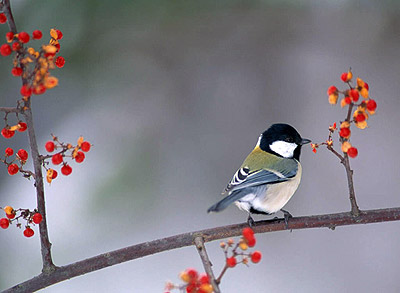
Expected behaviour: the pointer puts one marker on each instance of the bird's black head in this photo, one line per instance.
(282, 140)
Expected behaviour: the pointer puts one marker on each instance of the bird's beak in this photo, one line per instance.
(305, 141)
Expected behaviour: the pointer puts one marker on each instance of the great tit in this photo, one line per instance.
(269, 176)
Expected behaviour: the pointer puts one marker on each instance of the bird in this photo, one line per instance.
(269, 176)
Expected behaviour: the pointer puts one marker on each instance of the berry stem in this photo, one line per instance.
(201, 249)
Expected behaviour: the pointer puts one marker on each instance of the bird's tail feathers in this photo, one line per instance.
(226, 201)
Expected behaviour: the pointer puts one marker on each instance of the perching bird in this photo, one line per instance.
(269, 176)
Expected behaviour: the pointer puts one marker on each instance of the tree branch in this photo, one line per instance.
(199, 242)
(10, 18)
(104, 260)
(48, 265)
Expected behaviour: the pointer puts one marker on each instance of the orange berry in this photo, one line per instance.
(8, 210)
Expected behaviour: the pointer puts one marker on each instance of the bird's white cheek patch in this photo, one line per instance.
(285, 149)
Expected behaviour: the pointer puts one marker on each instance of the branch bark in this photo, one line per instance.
(201, 248)
(104, 260)
(48, 265)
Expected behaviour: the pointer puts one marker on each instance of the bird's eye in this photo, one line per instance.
(289, 139)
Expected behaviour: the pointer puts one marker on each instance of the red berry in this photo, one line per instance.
(248, 233)
(371, 105)
(344, 76)
(366, 85)
(7, 133)
(9, 36)
(37, 218)
(9, 152)
(49, 146)
(57, 159)
(22, 155)
(16, 46)
(85, 146)
(204, 279)
(344, 132)
(347, 100)
(10, 216)
(28, 232)
(352, 152)
(59, 34)
(60, 61)
(231, 262)
(16, 71)
(192, 273)
(23, 37)
(3, 18)
(191, 288)
(360, 117)
(354, 95)
(22, 126)
(4, 223)
(5, 50)
(54, 176)
(331, 90)
(256, 256)
(80, 156)
(37, 34)
(251, 242)
(12, 169)
(58, 47)
(39, 89)
(26, 91)
(66, 170)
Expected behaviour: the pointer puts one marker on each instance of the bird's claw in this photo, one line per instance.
(250, 221)
(286, 216)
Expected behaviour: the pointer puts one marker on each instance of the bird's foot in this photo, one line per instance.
(286, 216)
(250, 221)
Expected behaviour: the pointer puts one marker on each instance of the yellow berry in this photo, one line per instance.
(345, 146)
(184, 276)
(9, 210)
(243, 245)
(206, 288)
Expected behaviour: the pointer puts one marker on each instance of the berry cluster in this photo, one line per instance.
(65, 150)
(31, 218)
(33, 66)
(9, 131)
(359, 116)
(247, 240)
(12, 163)
(195, 283)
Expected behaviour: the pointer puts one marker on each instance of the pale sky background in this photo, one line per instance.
(173, 95)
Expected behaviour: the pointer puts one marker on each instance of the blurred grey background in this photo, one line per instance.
(173, 95)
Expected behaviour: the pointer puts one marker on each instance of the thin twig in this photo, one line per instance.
(152, 247)
(199, 242)
(10, 110)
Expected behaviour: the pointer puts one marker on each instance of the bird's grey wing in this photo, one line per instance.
(241, 184)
